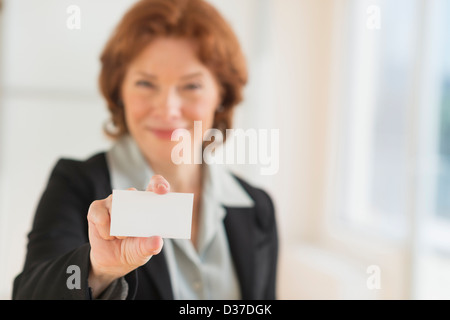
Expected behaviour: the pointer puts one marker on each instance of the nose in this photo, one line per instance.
(168, 106)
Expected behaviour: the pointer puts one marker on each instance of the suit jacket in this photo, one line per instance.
(59, 239)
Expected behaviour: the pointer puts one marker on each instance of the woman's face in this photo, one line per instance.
(166, 88)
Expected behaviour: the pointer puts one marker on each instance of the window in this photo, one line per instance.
(397, 114)
(434, 145)
(432, 246)
(443, 177)
(394, 155)
(374, 140)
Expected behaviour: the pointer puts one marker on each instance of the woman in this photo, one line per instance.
(169, 63)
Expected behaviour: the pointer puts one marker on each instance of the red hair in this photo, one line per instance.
(197, 20)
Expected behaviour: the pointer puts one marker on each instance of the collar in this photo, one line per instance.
(128, 168)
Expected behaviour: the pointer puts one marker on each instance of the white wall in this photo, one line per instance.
(50, 107)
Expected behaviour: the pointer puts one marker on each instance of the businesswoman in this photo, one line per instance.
(168, 63)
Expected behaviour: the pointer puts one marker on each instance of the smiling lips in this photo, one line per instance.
(163, 134)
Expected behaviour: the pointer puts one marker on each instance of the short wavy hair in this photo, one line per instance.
(218, 49)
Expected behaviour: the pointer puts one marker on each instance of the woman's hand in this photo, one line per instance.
(114, 257)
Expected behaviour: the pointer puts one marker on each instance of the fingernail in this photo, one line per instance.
(162, 185)
(155, 243)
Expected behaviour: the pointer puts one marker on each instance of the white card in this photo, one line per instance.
(146, 214)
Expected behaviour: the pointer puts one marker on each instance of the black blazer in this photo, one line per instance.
(59, 238)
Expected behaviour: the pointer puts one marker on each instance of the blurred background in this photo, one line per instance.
(359, 89)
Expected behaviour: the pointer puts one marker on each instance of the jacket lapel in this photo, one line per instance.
(239, 225)
(158, 272)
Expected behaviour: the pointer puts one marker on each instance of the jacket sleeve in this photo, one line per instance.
(57, 260)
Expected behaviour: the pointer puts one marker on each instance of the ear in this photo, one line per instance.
(220, 108)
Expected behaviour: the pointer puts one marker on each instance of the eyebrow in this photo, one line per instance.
(147, 75)
(192, 75)
(187, 76)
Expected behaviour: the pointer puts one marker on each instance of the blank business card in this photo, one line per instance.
(146, 214)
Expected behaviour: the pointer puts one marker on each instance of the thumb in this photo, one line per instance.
(151, 246)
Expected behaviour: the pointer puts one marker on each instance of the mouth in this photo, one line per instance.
(162, 133)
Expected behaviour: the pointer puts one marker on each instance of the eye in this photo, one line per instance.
(145, 84)
(192, 86)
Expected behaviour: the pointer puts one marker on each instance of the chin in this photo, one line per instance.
(161, 149)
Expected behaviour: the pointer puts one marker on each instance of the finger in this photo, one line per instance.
(158, 184)
(98, 215)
